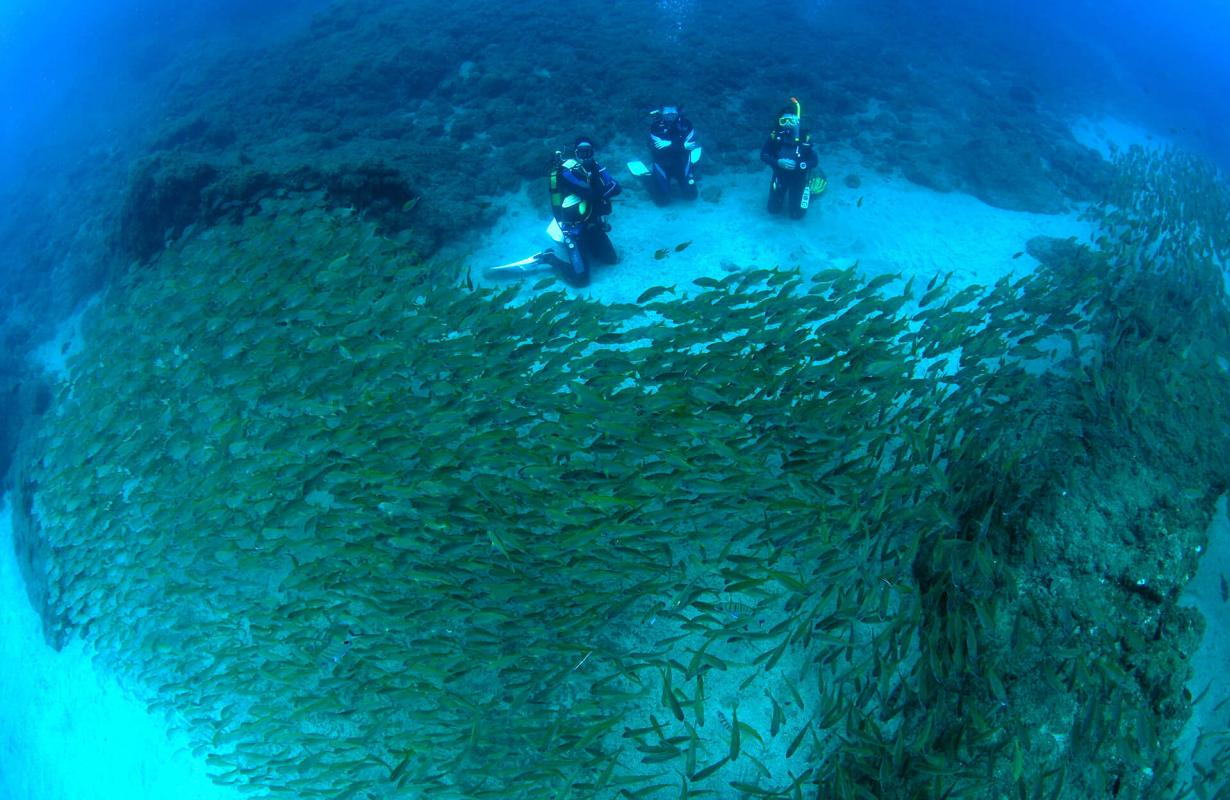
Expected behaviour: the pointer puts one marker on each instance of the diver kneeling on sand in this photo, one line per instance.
(672, 140)
(581, 192)
(789, 152)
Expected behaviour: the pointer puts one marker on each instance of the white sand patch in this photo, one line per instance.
(897, 227)
(1106, 133)
(1207, 592)
(67, 731)
(53, 355)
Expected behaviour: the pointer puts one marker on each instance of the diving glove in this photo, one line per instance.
(786, 163)
(659, 142)
(818, 185)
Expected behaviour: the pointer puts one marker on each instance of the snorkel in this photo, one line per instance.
(792, 122)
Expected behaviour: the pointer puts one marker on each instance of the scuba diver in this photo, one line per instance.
(581, 192)
(672, 140)
(789, 152)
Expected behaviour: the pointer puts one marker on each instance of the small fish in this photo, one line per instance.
(709, 770)
(859, 204)
(679, 248)
(469, 280)
(1018, 254)
(798, 740)
(650, 294)
(410, 204)
(333, 652)
(660, 254)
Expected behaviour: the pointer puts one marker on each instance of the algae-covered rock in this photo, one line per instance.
(164, 197)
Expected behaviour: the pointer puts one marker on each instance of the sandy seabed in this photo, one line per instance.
(886, 224)
(67, 730)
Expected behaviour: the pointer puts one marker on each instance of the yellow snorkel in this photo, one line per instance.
(797, 122)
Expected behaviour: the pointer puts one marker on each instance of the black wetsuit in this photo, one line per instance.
(673, 162)
(788, 183)
(580, 198)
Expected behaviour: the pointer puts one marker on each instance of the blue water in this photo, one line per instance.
(1164, 63)
(80, 68)
(65, 64)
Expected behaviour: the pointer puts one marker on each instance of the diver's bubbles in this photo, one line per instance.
(677, 15)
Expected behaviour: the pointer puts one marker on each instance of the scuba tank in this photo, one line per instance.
(815, 186)
(566, 208)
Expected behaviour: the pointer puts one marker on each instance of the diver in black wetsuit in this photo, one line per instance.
(581, 192)
(672, 140)
(789, 152)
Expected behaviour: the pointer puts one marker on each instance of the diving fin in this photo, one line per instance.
(814, 188)
(525, 266)
(638, 168)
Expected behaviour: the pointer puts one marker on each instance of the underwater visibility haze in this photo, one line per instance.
(658, 399)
